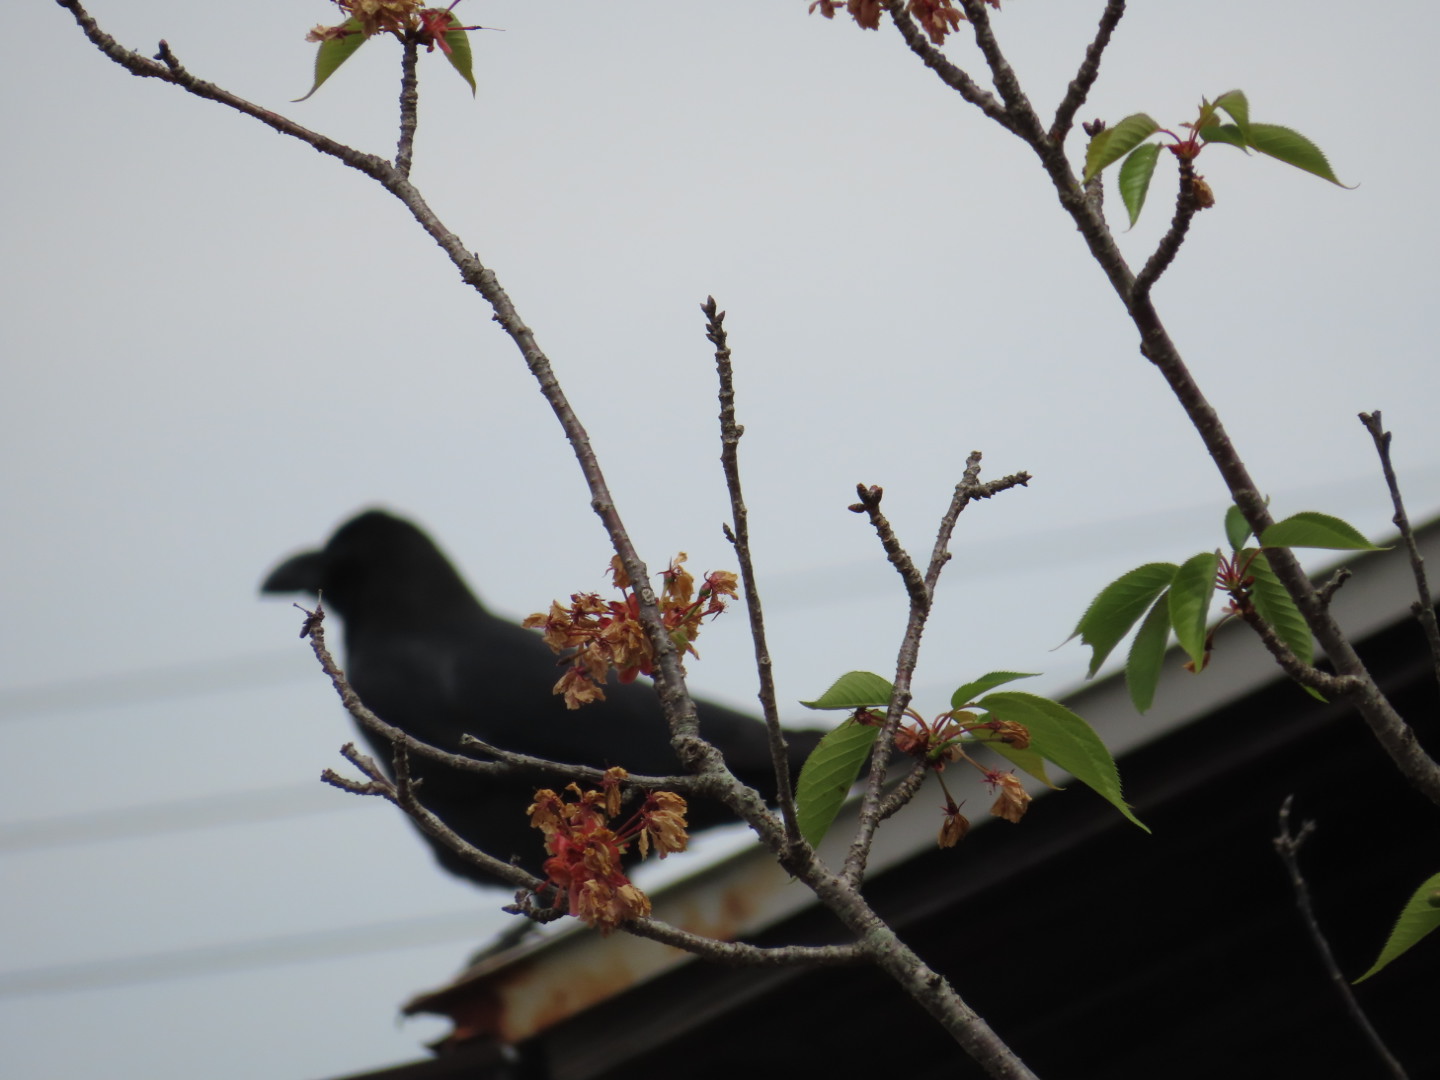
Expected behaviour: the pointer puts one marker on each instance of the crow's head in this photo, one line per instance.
(376, 565)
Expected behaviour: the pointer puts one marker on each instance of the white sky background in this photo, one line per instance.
(218, 344)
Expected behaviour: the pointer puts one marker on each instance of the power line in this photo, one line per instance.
(273, 667)
(439, 929)
(798, 588)
(180, 815)
(290, 665)
(143, 685)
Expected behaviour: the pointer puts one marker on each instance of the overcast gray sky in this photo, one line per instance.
(218, 344)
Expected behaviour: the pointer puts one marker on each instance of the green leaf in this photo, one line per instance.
(854, 690)
(335, 52)
(1276, 608)
(1027, 761)
(1237, 105)
(1224, 133)
(828, 775)
(1147, 653)
(1111, 614)
(1113, 143)
(1190, 603)
(1419, 916)
(1312, 530)
(1292, 148)
(459, 53)
(1135, 177)
(1237, 529)
(964, 695)
(1059, 736)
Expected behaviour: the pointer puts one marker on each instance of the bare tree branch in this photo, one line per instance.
(739, 954)
(694, 752)
(1287, 845)
(168, 69)
(1424, 607)
(1389, 728)
(1024, 121)
(969, 488)
(401, 793)
(1079, 88)
(951, 75)
(870, 804)
(1327, 591)
(869, 505)
(507, 762)
(898, 797)
(1186, 207)
(874, 808)
(409, 105)
(739, 537)
(510, 762)
(1332, 686)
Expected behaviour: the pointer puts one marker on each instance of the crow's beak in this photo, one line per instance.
(303, 573)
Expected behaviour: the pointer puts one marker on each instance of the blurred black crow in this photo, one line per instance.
(426, 657)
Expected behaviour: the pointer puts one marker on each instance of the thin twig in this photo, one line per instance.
(168, 69)
(1287, 845)
(1327, 592)
(679, 708)
(869, 505)
(898, 797)
(951, 75)
(878, 941)
(1332, 686)
(921, 590)
(314, 629)
(870, 803)
(507, 763)
(685, 784)
(969, 488)
(959, 499)
(739, 537)
(1083, 209)
(409, 104)
(739, 954)
(1024, 121)
(1395, 736)
(1186, 207)
(1424, 607)
(400, 792)
(1079, 88)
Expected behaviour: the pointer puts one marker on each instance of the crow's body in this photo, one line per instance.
(427, 657)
